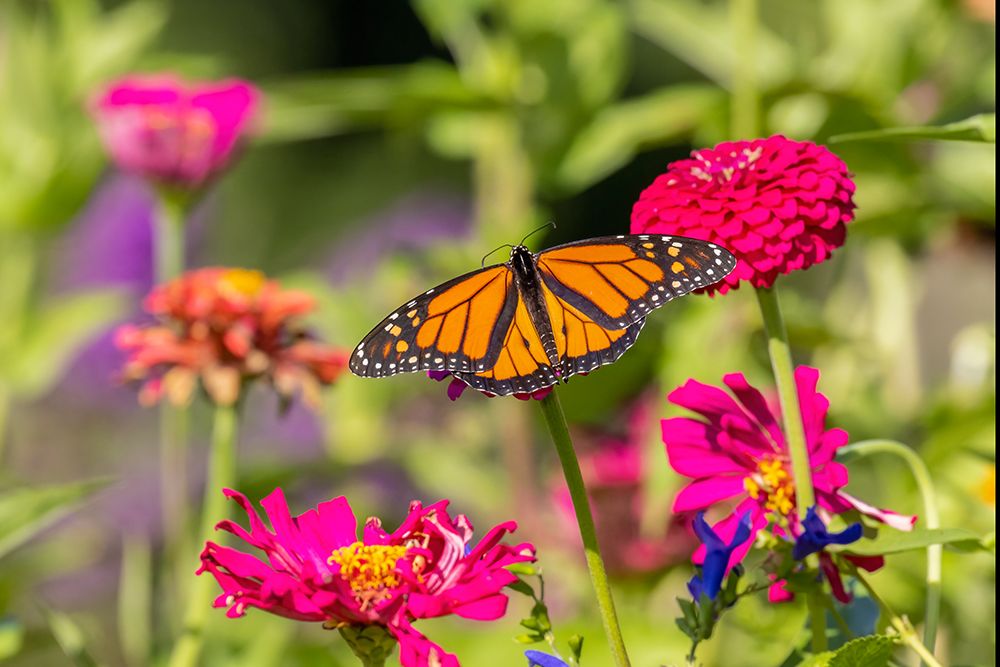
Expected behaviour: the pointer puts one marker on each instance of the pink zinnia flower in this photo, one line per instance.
(318, 570)
(222, 327)
(778, 205)
(737, 453)
(172, 132)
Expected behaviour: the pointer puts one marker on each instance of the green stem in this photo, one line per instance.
(556, 421)
(788, 395)
(745, 100)
(221, 475)
(817, 622)
(932, 608)
(902, 626)
(5, 401)
(372, 644)
(168, 232)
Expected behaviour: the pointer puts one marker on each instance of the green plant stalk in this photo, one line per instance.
(932, 604)
(745, 98)
(5, 402)
(221, 475)
(780, 353)
(817, 622)
(168, 263)
(556, 421)
(906, 632)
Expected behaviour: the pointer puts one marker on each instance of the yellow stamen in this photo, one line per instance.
(245, 282)
(370, 569)
(773, 481)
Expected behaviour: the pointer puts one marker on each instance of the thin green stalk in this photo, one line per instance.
(5, 401)
(221, 475)
(168, 262)
(902, 626)
(556, 421)
(788, 395)
(817, 622)
(932, 604)
(745, 99)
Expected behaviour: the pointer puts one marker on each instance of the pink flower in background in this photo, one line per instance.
(614, 470)
(221, 327)
(173, 132)
(457, 387)
(317, 569)
(736, 452)
(778, 205)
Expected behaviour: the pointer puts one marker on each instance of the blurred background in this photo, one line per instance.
(399, 143)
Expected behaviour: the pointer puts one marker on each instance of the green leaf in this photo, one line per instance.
(870, 651)
(889, 541)
(522, 587)
(70, 638)
(981, 128)
(11, 637)
(618, 132)
(528, 639)
(25, 511)
(576, 646)
(817, 660)
(524, 569)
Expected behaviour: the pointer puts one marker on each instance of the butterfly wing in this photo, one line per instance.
(617, 280)
(461, 326)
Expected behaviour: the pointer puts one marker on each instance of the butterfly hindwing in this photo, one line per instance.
(618, 280)
(457, 326)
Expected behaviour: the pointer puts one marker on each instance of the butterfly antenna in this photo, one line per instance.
(550, 223)
(499, 247)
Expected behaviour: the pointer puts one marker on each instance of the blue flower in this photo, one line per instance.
(539, 659)
(815, 536)
(717, 554)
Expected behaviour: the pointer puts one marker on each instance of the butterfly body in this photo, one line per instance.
(540, 318)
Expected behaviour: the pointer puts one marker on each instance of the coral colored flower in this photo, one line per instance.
(222, 327)
(736, 452)
(778, 205)
(173, 132)
(316, 569)
(456, 387)
(717, 555)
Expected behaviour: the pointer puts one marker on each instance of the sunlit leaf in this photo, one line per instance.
(890, 541)
(981, 128)
(70, 637)
(870, 651)
(25, 511)
(11, 637)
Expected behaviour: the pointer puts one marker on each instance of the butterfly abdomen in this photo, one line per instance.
(529, 285)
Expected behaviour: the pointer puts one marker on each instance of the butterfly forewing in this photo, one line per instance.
(457, 326)
(618, 280)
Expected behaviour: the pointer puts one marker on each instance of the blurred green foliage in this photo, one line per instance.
(524, 112)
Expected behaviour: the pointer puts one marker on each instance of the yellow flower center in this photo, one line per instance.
(245, 282)
(370, 569)
(773, 482)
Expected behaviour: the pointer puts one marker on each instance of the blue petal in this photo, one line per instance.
(815, 537)
(539, 659)
(706, 534)
(695, 587)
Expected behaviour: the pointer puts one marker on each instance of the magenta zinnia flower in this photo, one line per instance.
(779, 205)
(318, 570)
(172, 132)
(737, 453)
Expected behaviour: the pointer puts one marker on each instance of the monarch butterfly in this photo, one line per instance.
(536, 319)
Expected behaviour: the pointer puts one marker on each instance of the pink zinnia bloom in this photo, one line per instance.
(778, 205)
(222, 327)
(318, 570)
(172, 132)
(736, 453)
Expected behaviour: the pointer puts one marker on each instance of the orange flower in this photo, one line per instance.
(221, 328)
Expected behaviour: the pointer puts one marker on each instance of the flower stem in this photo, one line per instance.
(745, 99)
(372, 644)
(788, 395)
(817, 622)
(932, 605)
(902, 626)
(556, 421)
(168, 263)
(221, 474)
